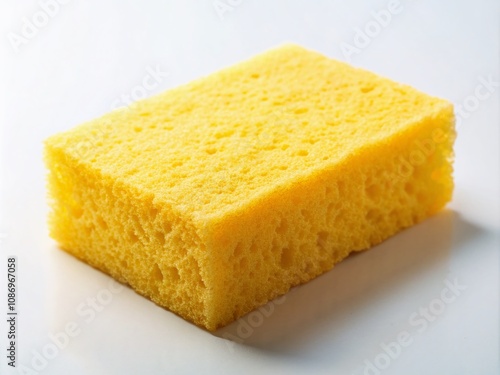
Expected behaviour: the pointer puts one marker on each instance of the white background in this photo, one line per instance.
(90, 53)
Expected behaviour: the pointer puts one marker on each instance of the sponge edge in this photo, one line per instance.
(350, 159)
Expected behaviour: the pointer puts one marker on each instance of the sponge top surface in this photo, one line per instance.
(212, 145)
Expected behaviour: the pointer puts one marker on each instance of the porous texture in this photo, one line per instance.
(217, 196)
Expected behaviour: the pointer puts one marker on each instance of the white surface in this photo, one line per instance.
(90, 53)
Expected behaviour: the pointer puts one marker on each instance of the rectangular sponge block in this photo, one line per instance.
(217, 196)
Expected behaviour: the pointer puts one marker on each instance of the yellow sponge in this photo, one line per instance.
(217, 196)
